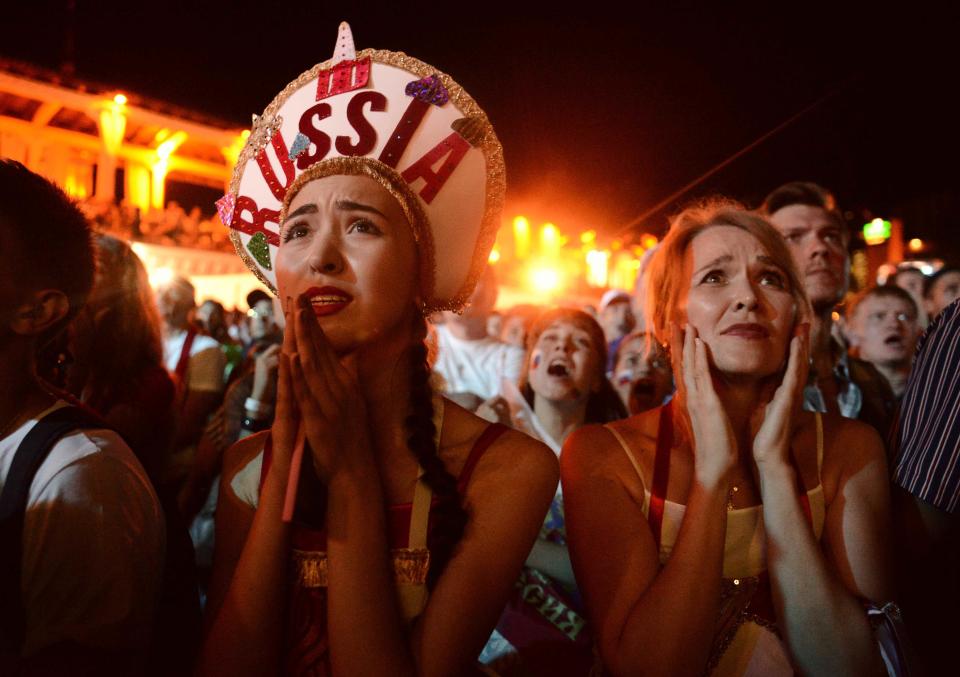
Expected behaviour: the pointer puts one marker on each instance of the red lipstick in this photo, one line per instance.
(327, 300)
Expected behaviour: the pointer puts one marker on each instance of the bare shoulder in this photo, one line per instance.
(849, 440)
(608, 449)
(513, 461)
(849, 447)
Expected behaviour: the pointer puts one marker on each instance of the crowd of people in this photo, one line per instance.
(172, 226)
(373, 471)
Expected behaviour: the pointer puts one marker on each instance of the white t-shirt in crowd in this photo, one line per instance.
(207, 361)
(93, 543)
(476, 366)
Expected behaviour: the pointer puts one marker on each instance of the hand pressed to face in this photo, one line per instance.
(714, 444)
(772, 423)
(328, 397)
(346, 243)
(738, 301)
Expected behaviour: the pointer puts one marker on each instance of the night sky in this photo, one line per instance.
(601, 117)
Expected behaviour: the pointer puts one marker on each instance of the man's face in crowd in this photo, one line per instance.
(885, 330)
(617, 319)
(911, 281)
(819, 250)
(175, 301)
(261, 319)
(210, 317)
(944, 291)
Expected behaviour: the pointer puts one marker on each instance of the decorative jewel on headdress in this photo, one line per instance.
(263, 130)
(300, 144)
(257, 246)
(429, 90)
(471, 129)
(225, 206)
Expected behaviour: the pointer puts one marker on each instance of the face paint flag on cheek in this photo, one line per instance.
(392, 118)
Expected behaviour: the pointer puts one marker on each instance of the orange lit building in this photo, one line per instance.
(130, 161)
(121, 156)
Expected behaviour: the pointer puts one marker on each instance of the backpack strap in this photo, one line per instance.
(13, 505)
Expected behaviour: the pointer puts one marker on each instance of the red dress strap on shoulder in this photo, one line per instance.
(486, 439)
(184, 361)
(661, 471)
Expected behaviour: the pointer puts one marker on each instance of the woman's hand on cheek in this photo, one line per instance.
(328, 396)
(714, 445)
(772, 422)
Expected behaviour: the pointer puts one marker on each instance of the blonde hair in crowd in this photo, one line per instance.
(665, 274)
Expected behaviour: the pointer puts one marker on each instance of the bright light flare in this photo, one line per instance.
(160, 277)
(915, 245)
(494, 256)
(120, 99)
(549, 239)
(545, 279)
(598, 267)
(521, 236)
(166, 149)
(877, 231)
(648, 241)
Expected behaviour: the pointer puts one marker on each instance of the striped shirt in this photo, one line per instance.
(926, 440)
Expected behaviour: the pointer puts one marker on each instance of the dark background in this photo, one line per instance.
(601, 116)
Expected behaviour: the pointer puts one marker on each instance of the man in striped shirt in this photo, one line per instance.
(926, 446)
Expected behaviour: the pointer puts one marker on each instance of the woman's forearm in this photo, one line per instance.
(365, 629)
(669, 629)
(824, 625)
(246, 636)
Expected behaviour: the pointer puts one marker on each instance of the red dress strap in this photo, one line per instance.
(486, 439)
(184, 361)
(661, 471)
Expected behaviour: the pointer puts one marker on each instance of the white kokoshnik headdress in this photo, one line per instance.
(397, 120)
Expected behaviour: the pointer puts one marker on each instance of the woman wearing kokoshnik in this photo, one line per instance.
(386, 182)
